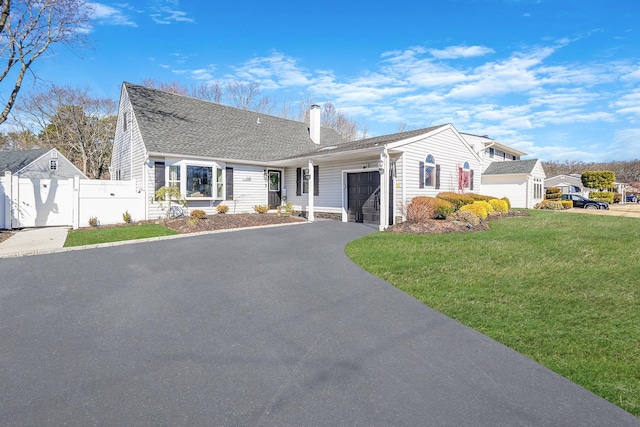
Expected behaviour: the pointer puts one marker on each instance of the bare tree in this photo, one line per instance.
(74, 122)
(212, 92)
(171, 87)
(28, 28)
(242, 95)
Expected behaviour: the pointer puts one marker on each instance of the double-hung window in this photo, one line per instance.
(174, 176)
(429, 171)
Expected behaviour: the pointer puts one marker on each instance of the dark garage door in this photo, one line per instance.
(363, 197)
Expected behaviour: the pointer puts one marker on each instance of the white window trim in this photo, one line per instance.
(433, 165)
(183, 177)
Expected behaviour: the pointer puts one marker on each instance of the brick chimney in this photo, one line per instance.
(314, 123)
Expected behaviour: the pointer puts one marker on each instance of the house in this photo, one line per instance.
(217, 154)
(504, 174)
(41, 163)
(572, 184)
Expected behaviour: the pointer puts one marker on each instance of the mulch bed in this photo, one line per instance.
(5, 234)
(441, 226)
(225, 221)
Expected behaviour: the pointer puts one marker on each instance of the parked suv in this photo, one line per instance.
(583, 202)
(631, 198)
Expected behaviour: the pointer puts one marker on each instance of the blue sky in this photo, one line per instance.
(558, 79)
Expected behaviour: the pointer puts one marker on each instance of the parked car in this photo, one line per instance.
(583, 202)
(631, 198)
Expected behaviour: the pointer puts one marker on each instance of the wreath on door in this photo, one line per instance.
(274, 179)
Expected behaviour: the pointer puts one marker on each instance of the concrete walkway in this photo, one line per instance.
(32, 241)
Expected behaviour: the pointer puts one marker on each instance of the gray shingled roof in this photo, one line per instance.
(14, 161)
(176, 124)
(511, 167)
(370, 142)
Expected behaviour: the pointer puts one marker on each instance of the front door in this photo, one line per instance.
(275, 188)
(363, 197)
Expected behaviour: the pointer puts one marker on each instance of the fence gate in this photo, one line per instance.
(42, 202)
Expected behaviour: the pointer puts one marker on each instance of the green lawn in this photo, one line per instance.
(115, 234)
(561, 288)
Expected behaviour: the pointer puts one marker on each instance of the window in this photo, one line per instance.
(466, 174)
(174, 176)
(305, 181)
(219, 183)
(430, 171)
(199, 181)
(492, 152)
(53, 164)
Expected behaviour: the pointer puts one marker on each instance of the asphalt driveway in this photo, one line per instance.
(260, 327)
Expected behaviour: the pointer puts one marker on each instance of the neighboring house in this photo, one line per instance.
(572, 184)
(41, 163)
(504, 174)
(218, 155)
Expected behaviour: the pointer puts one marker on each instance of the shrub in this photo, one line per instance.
(261, 209)
(617, 198)
(486, 205)
(126, 217)
(554, 205)
(465, 216)
(441, 207)
(457, 200)
(93, 221)
(418, 211)
(603, 196)
(476, 208)
(499, 206)
(506, 199)
(566, 204)
(287, 209)
(479, 197)
(553, 193)
(197, 214)
(222, 209)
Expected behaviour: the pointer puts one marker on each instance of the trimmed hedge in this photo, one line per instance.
(553, 193)
(603, 196)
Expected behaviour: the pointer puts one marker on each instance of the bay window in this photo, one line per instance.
(197, 181)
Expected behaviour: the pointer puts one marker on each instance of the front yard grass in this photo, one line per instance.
(561, 288)
(115, 234)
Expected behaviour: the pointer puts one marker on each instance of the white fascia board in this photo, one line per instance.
(153, 154)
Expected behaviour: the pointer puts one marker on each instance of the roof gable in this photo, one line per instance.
(183, 126)
(15, 161)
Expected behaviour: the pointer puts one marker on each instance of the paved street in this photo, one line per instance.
(263, 327)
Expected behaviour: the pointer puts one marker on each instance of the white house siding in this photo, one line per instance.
(41, 168)
(449, 152)
(129, 152)
(249, 188)
(515, 187)
(330, 183)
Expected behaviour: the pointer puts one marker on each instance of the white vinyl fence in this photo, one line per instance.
(26, 202)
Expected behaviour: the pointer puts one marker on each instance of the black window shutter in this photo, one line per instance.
(471, 179)
(437, 177)
(159, 175)
(229, 172)
(316, 180)
(299, 182)
(421, 175)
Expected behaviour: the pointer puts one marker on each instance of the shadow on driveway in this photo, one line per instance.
(260, 327)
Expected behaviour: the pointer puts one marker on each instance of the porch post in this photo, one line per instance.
(8, 217)
(310, 193)
(384, 190)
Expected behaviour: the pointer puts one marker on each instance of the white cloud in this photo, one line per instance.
(107, 15)
(454, 52)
